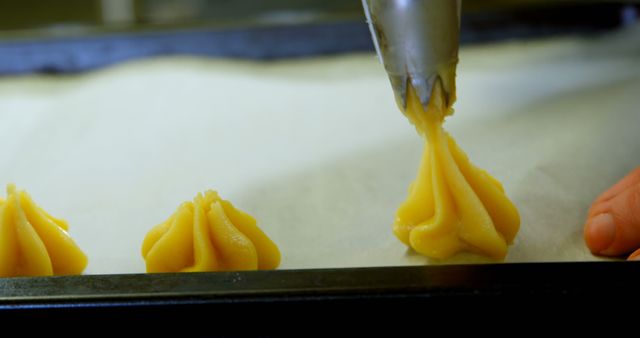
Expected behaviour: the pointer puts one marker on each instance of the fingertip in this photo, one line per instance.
(626, 211)
(600, 233)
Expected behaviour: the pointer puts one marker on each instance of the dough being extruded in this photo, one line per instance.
(34, 243)
(453, 205)
(208, 234)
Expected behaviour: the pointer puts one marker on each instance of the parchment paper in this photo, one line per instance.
(316, 149)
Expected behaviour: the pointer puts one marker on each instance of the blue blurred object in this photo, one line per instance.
(80, 54)
(269, 37)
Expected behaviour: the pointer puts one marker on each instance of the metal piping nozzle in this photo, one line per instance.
(417, 41)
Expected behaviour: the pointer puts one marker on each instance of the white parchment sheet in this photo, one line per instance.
(316, 149)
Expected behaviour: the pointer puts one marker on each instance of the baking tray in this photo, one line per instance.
(234, 297)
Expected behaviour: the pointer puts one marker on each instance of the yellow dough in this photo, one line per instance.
(208, 234)
(452, 206)
(34, 243)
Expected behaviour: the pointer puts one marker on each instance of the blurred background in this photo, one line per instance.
(76, 35)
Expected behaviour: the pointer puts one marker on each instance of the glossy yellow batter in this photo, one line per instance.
(34, 243)
(208, 234)
(453, 205)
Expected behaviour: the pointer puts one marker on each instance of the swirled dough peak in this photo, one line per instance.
(208, 234)
(452, 205)
(34, 243)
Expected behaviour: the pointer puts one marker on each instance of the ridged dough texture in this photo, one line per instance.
(209, 234)
(452, 205)
(34, 243)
